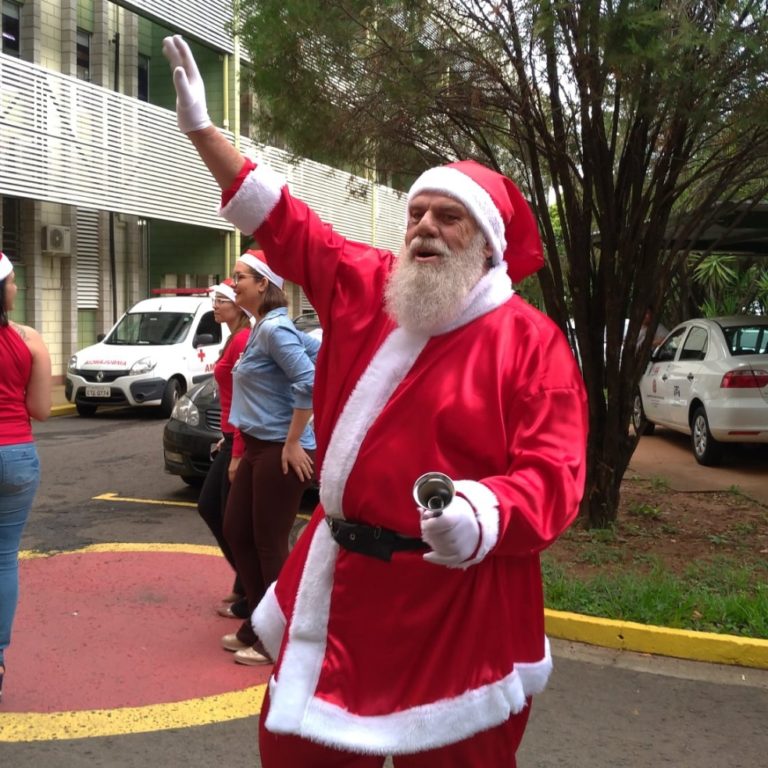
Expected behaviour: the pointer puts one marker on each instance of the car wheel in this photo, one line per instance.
(171, 394)
(639, 422)
(193, 480)
(705, 448)
(85, 410)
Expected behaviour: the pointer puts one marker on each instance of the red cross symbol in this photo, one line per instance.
(201, 354)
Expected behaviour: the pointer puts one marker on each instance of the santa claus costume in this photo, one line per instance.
(403, 656)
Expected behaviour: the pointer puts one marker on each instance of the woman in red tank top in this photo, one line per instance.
(25, 393)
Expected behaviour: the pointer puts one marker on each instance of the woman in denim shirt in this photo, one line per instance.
(271, 406)
(25, 392)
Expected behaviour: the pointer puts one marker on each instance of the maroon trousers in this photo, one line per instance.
(261, 509)
(494, 748)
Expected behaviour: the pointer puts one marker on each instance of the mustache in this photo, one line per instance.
(431, 244)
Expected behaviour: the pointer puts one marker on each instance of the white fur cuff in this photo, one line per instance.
(255, 199)
(268, 622)
(486, 506)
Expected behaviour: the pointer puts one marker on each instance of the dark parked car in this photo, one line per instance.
(193, 429)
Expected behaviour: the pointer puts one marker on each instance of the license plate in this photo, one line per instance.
(98, 391)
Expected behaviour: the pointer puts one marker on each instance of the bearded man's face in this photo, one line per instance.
(444, 256)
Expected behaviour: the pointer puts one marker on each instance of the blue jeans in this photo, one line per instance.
(19, 478)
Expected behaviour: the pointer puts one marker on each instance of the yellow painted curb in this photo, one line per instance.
(663, 641)
(62, 410)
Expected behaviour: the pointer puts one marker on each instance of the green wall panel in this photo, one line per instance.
(210, 63)
(183, 249)
(19, 314)
(86, 328)
(85, 15)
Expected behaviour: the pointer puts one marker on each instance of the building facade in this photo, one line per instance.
(103, 200)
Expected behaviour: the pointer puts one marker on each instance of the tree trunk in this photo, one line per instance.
(607, 460)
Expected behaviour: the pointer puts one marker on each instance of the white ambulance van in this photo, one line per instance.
(157, 350)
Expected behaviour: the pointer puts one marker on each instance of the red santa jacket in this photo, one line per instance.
(401, 656)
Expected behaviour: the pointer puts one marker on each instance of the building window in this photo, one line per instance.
(143, 86)
(83, 54)
(11, 28)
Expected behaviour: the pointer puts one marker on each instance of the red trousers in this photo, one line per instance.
(494, 748)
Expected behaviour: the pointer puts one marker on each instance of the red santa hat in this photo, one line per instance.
(497, 206)
(5, 266)
(225, 289)
(257, 261)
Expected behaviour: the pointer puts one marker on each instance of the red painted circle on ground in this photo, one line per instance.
(100, 630)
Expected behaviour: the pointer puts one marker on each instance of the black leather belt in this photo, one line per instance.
(371, 540)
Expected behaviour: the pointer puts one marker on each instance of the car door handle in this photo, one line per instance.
(690, 377)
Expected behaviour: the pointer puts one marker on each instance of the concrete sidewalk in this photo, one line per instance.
(61, 406)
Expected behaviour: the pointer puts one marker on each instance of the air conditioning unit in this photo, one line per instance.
(56, 239)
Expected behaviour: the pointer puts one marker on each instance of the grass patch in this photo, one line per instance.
(720, 596)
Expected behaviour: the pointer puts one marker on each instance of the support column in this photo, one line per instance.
(69, 343)
(32, 259)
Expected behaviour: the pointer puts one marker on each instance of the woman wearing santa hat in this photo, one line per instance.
(271, 407)
(25, 392)
(213, 494)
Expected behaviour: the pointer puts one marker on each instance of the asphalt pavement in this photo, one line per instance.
(115, 659)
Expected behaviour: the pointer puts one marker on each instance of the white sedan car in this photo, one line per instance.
(708, 379)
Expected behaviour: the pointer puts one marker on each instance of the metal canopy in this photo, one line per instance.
(743, 230)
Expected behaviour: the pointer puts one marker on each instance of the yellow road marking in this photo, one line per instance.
(86, 724)
(161, 502)
(190, 549)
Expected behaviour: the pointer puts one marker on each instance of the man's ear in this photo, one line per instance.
(487, 250)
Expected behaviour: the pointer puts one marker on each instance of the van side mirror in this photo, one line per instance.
(203, 340)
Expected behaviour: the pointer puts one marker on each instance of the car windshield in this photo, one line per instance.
(747, 339)
(151, 328)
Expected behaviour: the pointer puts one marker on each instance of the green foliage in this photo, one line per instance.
(730, 285)
(643, 119)
(721, 597)
(645, 510)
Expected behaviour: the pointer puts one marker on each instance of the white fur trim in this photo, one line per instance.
(254, 201)
(304, 652)
(268, 622)
(261, 268)
(454, 183)
(387, 369)
(486, 507)
(293, 705)
(5, 266)
(222, 289)
(492, 290)
(428, 726)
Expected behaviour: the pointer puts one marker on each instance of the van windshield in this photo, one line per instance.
(156, 328)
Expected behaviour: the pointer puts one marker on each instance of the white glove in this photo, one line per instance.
(453, 536)
(191, 109)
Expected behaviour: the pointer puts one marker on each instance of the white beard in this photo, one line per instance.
(425, 296)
